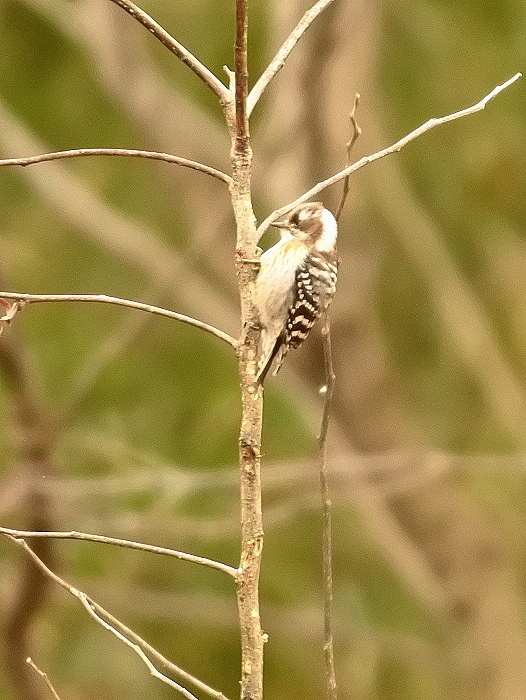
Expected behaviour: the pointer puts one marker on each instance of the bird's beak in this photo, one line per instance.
(281, 224)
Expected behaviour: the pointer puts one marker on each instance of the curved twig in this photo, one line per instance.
(104, 299)
(384, 152)
(116, 627)
(72, 535)
(153, 155)
(356, 133)
(224, 94)
(278, 61)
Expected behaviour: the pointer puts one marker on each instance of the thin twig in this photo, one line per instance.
(356, 132)
(102, 616)
(104, 299)
(328, 637)
(152, 155)
(178, 49)
(72, 535)
(430, 124)
(278, 61)
(44, 677)
(147, 648)
(86, 603)
(120, 235)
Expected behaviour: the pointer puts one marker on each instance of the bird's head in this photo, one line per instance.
(311, 223)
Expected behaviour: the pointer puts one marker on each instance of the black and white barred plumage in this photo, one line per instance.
(296, 282)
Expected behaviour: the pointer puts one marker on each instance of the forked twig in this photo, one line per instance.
(105, 299)
(356, 133)
(152, 155)
(109, 622)
(429, 124)
(147, 648)
(90, 609)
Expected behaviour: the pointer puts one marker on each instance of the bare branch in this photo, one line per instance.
(131, 639)
(89, 606)
(133, 636)
(279, 59)
(117, 233)
(83, 598)
(104, 299)
(356, 132)
(153, 155)
(44, 677)
(224, 95)
(72, 535)
(430, 124)
(328, 638)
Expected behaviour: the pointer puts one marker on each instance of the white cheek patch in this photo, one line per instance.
(327, 240)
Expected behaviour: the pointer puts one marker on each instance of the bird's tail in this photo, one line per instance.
(270, 351)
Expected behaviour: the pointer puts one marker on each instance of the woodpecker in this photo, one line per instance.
(296, 282)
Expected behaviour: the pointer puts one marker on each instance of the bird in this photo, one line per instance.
(296, 283)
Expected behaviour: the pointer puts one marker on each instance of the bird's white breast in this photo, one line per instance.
(275, 281)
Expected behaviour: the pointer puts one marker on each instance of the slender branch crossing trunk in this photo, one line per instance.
(247, 265)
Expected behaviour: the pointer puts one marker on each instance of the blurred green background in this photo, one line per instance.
(122, 424)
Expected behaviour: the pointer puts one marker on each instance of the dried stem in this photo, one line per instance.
(106, 620)
(89, 607)
(72, 535)
(152, 155)
(278, 61)
(104, 299)
(356, 132)
(328, 637)
(430, 124)
(44, 677)
(178, 49)
(151, 651)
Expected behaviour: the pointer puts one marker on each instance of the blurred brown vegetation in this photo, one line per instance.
(126, 425)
